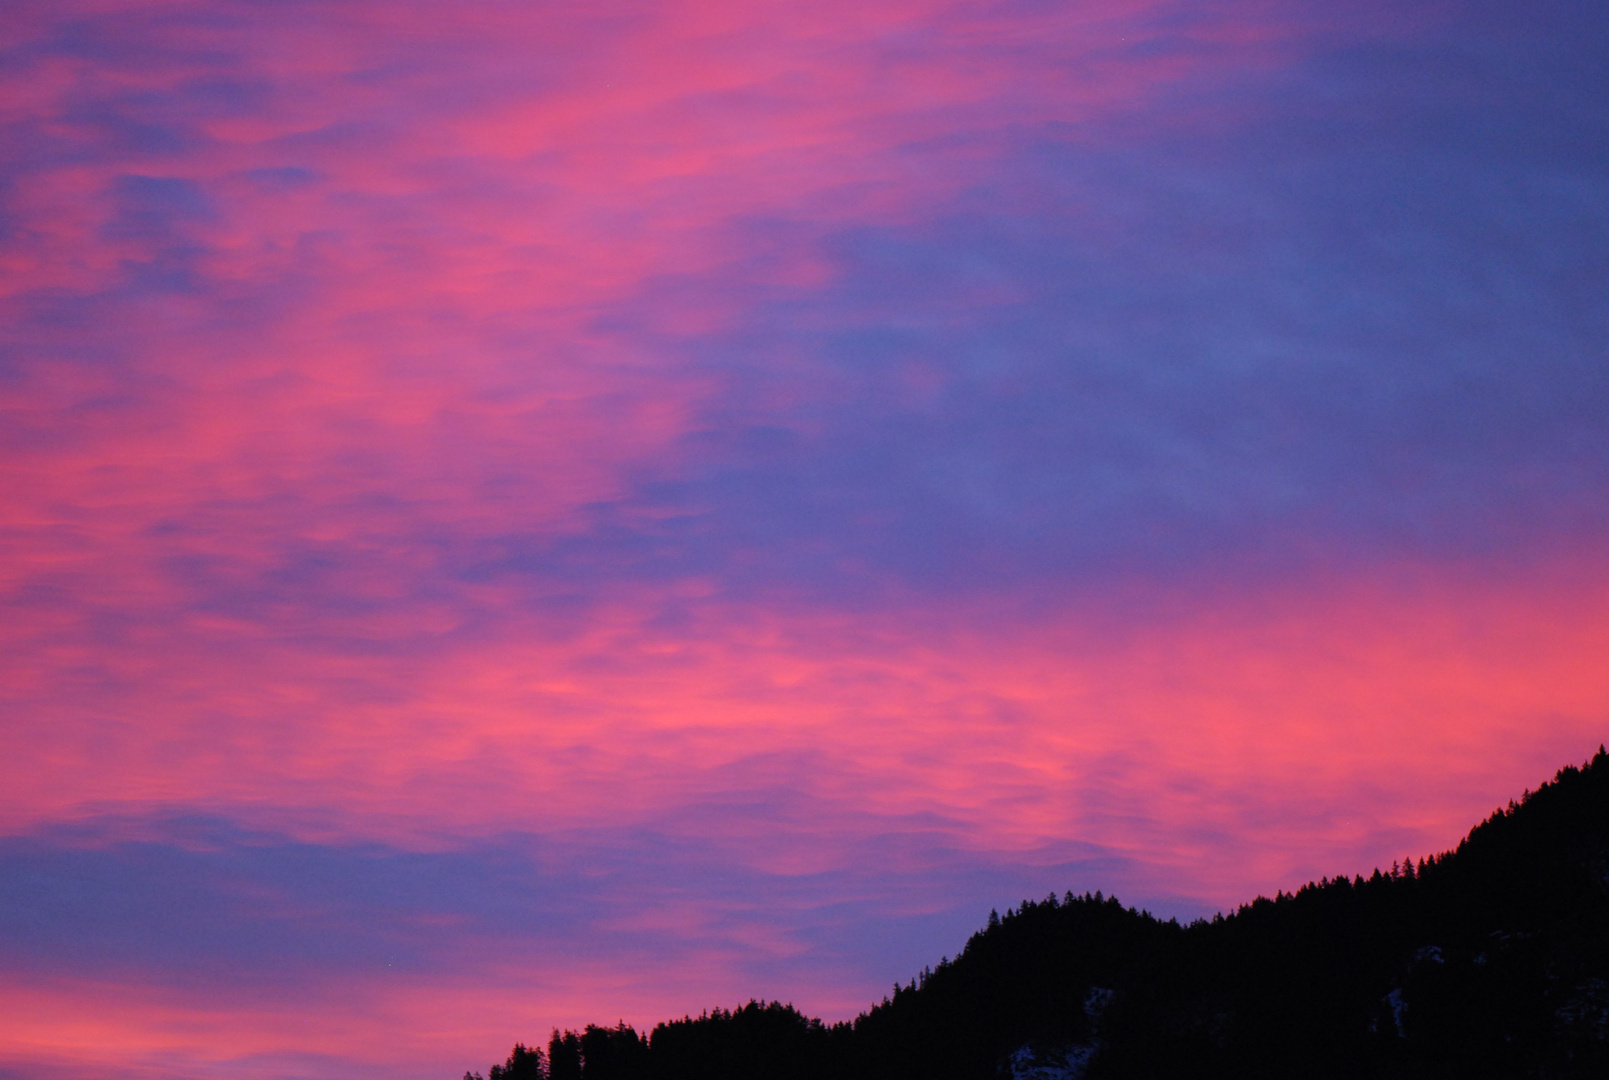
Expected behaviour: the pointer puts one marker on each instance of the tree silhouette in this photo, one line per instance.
(1489, 961)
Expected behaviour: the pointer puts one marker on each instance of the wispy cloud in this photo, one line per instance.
(605, 509)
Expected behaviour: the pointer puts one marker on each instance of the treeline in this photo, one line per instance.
(760, 1039)
(1488, 961)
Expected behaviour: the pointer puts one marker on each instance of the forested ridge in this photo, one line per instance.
(1491, 960)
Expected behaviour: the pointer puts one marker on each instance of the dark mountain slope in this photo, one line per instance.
(1488, 961)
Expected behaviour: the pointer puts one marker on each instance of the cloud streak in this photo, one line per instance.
(607, 511)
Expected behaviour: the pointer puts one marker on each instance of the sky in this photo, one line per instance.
(518, 514)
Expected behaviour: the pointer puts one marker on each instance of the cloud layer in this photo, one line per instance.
(524, 515)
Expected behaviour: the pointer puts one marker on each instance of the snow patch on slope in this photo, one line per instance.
(1069, 1062)
(1064, 1063)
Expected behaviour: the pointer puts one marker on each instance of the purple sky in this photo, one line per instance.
(524, 514)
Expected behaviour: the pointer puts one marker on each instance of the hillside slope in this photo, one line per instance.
(1491, 960)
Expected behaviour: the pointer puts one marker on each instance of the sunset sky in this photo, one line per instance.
(515, 514)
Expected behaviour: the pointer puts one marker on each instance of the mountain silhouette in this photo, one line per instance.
(1491, 960)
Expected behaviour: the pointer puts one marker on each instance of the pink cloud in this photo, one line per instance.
(335, 321)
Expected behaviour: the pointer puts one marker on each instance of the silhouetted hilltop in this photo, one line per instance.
(1491, 960)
